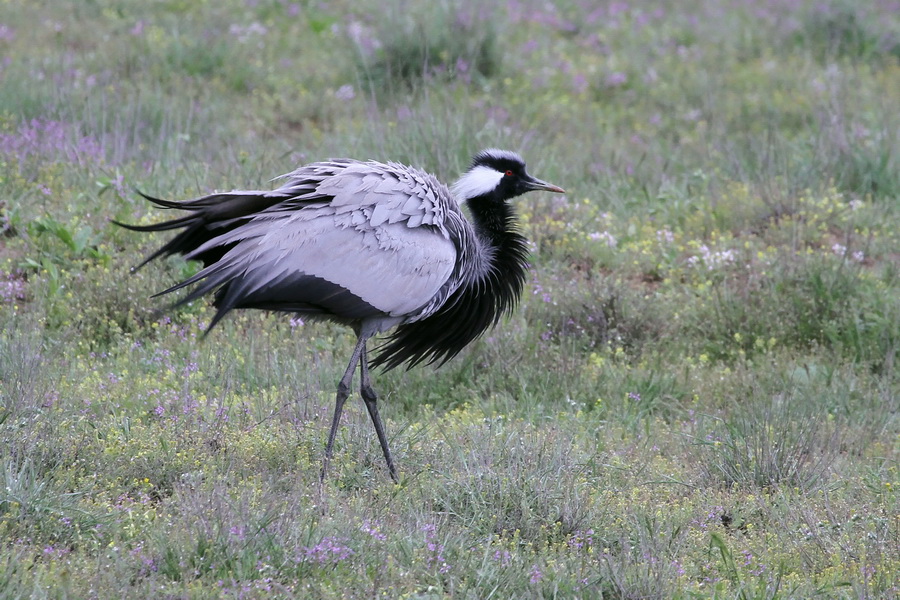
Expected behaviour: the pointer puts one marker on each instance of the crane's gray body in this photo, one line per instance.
(384, 244)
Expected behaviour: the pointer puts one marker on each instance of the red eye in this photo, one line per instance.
(509, 173)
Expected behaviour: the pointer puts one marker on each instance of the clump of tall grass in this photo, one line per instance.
(784, 442)
(27, 379)
(858, 151)
(526, 486)
(420, 43)
(802, 302)
(632, 565)
(598, 314)
(37, 506)
(841, 29)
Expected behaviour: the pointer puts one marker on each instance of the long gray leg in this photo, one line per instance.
(371, 399)
(343, 390)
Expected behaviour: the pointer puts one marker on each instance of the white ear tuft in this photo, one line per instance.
(476, 182)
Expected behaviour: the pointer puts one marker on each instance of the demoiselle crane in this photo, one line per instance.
(372, 245)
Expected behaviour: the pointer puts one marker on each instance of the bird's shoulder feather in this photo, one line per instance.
(377, 192)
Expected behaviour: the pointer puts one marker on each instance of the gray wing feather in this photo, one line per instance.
(355, 225)
(411, 207)
(394, 268)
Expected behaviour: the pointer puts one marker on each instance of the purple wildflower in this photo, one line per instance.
(330, 551)
(616, 79)
(53, 552)
(503, 557)
(7, 33)
(373, 529)
(363, 38)
(222, 414)
(49, 139)
(579, 83)
(12, 287)
(435, 550)
(581, 539)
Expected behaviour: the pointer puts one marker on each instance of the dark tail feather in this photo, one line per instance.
(182, 243)
(164, 226)
(210, 216)
(165, 203)
(210, 201)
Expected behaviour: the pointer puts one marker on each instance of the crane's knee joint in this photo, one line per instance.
(368, 393)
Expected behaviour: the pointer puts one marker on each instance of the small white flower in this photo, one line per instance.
(345, 92)
(665, 236)
(604, 236)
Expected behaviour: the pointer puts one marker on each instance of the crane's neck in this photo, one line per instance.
(503, 252)
(493, 219)
(493, 278)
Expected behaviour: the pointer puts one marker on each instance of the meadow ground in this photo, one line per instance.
(697, 397)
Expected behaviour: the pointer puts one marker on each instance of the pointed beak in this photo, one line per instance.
(536, 184)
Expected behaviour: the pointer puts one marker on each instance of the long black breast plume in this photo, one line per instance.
(467, 313)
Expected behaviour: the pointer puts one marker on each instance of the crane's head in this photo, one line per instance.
(498, 175)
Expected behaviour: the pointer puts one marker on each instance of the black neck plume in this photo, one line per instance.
(475, 307)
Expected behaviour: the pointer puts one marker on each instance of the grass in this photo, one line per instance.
(696, 398)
